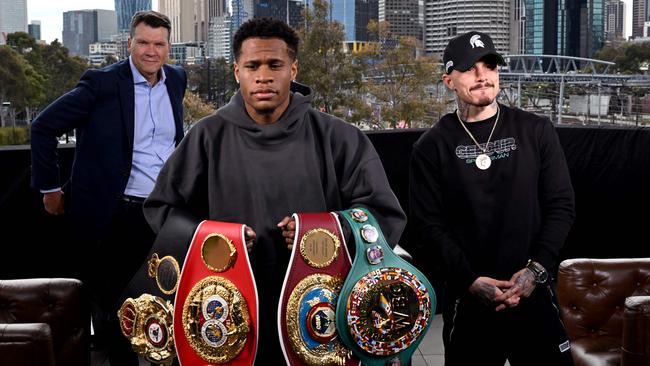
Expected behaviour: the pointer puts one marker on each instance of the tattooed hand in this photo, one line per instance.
(488, 290)
(524, 284)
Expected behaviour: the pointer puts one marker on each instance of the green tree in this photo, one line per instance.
(61, 70)
(194, 109)
(398, 80)
(629, 58)
(109, 60)
(322, 62)
(20, 84)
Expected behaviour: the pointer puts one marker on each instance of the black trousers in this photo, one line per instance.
(529, 334)
(116, 257)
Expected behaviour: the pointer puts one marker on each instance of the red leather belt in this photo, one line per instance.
(215, 311)
(306, 316)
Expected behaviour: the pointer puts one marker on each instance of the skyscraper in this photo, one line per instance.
(403, 17)
(444, 20)
(125, 9)
(83, 27)
(205, 11)
(640, 15)
(614, 20)
(13, 18)
(34, 29)
(354, 15)
(271, 8)
(181, 14)
(296, 9)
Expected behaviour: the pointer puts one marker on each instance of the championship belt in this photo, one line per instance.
(215, 312)
(386, 304)
(306, 315)
(146, 314)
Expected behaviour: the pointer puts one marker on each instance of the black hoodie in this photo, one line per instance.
(229, 168)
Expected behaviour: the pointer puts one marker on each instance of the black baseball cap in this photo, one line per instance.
(465, 50)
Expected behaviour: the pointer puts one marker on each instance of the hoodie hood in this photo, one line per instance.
(300, 102)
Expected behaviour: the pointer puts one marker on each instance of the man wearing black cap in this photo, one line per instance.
(491, 197)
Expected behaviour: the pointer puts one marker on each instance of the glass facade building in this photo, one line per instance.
(125, 9)
(354, 15)
(13, 18)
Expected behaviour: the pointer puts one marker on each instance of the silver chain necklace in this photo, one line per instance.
(483, 161)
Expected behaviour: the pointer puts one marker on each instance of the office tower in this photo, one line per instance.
(125, 9)
(445, 19)
(354, 15)
(584, 26)
(34, 29)
(403, 16)
(296, 13)
(219, 38)
(640, 15)
(83, 27)
(181, 14)
(106, 24)
(271, 9)
(204, 12)
(614, 20)
(13, 18)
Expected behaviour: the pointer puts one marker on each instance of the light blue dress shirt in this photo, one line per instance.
(153, 138)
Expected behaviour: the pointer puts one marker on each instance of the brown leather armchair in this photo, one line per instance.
(592, 295)
(44, 321)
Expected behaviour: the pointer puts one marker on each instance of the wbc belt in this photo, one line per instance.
(306, 314)
(215, 311)
(385, 307)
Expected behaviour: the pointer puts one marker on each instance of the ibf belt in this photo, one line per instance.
(215, 312)
(386, 304)
(306, 314)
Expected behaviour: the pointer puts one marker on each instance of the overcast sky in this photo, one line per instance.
(50, 13)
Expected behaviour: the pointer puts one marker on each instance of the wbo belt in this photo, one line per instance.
(385, 306)
(318, 266)
(215, 312)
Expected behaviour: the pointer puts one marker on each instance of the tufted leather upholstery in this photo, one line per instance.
(636, 331)
(58, 316)
(591, 294)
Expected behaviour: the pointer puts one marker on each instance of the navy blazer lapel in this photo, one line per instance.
(171, 82)
(127, 101)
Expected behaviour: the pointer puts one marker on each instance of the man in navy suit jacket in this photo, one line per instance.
(128, 118)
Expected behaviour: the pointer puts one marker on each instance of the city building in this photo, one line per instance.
(296, 13)
(614, 20)
(403, 16)
(640, 15)
(125, 10)
(354, 15)
(34, 29)
(13, 18)
(98, 52)
(181, 14)
(204, 12)
(271, 9)
(83, 27)
(187, 53)
(220, 38)
(444, 20)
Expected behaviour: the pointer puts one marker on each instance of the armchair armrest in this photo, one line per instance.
(635, 348)
(26, 344)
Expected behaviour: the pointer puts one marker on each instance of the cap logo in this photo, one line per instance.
(475, 41)
(448, 65)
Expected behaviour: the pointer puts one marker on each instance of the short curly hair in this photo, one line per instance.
(266, 28)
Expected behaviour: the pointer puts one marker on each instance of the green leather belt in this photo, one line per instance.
(386, 304)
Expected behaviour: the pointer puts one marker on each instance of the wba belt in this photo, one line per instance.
(215, 313)
(306, 314)
(385, 307)
(146, 315)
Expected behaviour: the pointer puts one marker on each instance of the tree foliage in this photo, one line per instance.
(629, 58)
(213, 81)
(322, 62)
(399, 80)
(194, 109)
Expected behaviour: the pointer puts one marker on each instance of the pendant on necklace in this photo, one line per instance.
(483, 161)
